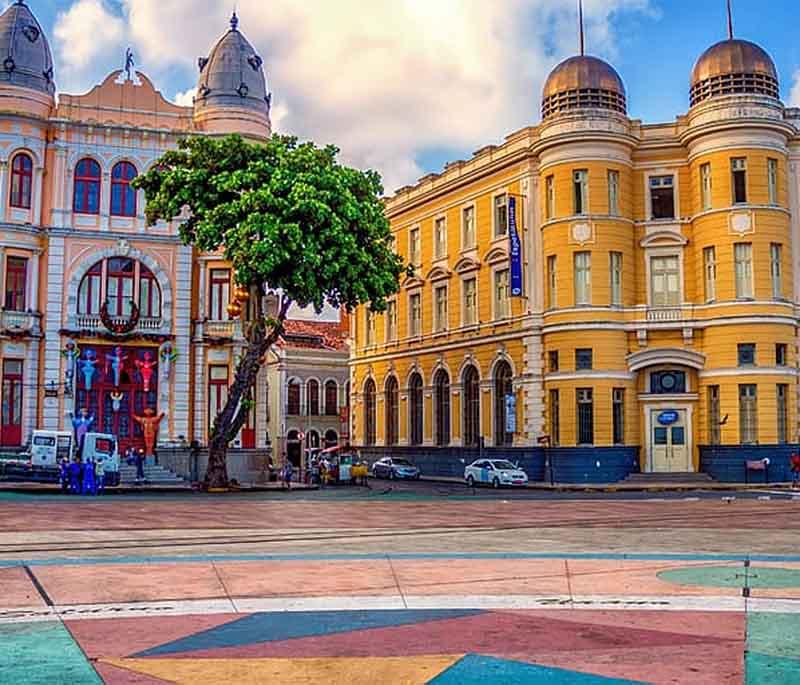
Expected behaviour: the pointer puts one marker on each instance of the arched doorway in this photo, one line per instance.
(331, 438)
(294, 448)
(503, 404)
(472, 406)
(392, 412)
(369, 412)
(441, 404)
(415, 408)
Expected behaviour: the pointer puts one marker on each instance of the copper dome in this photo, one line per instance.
(734, 67)
(583, 82)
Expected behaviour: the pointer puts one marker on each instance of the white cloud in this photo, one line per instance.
(186, 98)
(794, 95)
(84, 33)
(384, 80)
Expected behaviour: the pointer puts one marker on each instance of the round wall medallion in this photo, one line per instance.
(581, 232)
(740, 223)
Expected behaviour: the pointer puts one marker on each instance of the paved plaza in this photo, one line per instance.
(408, 584)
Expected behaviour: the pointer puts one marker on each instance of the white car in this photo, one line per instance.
(494, 472)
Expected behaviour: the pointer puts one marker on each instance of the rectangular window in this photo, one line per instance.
(615, 277)
(470, 308)
(618, 415)
(500, 216)
(748, 415)
(746, 354)
(580, 191)
(555, 424)
(552, 361)
(583, 359)
(16, 279)
(705, 186)
(783, 413)
(772, 179)
(552, 283)
(710, 273)
(370, 328)
(780, 354)
(665, 281)
(391, 320)
(776, 269)
(414, 316)
(414, 247)
(550, 197)
(501, 293)
(743, 264)
(583, 278)
(585, 416)
(468, 228)
(220, 294)
(613, 193)
(440, 237)
(440, 309)
(739, 180)
(714, 419)
(662, 197)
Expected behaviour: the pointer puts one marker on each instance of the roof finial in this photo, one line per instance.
(234, 21)
(730, 21)
(580, 22)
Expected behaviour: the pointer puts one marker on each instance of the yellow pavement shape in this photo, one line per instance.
(353, 671)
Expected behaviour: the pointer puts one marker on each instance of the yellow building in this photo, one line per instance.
(657, 327)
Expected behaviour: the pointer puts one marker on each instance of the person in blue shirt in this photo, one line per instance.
(75, 476)
(88, 478)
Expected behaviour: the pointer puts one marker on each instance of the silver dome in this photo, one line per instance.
(232, 75)
(25, 58)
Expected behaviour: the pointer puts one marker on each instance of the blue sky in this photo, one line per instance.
(394, 117)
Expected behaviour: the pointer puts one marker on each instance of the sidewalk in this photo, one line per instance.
(130, 488)
(631, 487)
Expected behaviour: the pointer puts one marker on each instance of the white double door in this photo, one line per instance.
(669, 444)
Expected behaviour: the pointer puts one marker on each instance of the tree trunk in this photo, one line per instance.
(233, 415)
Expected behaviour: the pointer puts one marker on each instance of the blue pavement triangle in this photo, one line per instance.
(475, 669)
(768, 668)
(283, 625)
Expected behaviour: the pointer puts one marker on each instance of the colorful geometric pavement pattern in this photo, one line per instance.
(705, 632)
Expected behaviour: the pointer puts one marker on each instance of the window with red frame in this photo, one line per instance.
(331, 399)
(120, 276)
(293, 399)
(21, 181)
(217, 392)
(123, 195)
(149, 294)
(220, 294)
(87, 187)
(16, 273)
(312, 388)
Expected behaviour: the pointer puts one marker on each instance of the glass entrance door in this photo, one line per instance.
(669, 448)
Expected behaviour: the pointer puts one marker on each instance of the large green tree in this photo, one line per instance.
(296, 226)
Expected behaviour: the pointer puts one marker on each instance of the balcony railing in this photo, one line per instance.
(93, 322)
(21, 322)
(219, 329)
(664, 314)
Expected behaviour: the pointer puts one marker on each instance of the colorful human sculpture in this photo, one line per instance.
(116, 361)
(87, 366)
(149, 423)
(166, 355)
(81, 425)
(71, 352)
(116, 400)
(146, 367)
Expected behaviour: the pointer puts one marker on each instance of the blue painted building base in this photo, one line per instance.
(726, 463)
(572, 465)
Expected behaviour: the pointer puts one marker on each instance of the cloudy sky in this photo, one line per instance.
(406, 85)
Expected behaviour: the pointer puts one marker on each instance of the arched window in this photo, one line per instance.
(369, 412)
(392, 413)
(331, 438)
(331, 399)
(312, 440)
(415, 408)
(441, 404)
(123, 196)
(86, 198)
(21, 181)
(472, 407)
(312, 400)
(293, 398)
(119, 289)
(503, 389)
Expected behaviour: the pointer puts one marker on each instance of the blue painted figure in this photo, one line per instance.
(81, 426)
(88, 478)
(117, 362)
(87, 366)
(75, 476)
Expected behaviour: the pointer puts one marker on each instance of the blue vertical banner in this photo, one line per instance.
(511, 413)
(516, 249)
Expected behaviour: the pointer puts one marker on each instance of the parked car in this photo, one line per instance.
(494, 472)
(390, 467)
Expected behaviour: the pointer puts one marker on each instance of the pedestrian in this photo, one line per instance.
(64, 475)
(288, 472)
(88, 477)
(100, 476)
(140, 466)
(795, 468)
(75, 476)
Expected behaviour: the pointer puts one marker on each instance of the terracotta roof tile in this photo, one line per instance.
(315, 335)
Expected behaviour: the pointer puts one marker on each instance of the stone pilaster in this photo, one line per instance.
(52, 347)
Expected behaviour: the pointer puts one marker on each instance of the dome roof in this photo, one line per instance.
(732, 67)
(232, 75)
(25, 58)
(583, 82)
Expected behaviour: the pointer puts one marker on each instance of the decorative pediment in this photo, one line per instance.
(438, 273)
(466, 264)
(413, 282)
(666, 355)
(496, 254)
(664, 237)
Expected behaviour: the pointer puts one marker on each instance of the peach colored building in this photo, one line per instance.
(101, 311)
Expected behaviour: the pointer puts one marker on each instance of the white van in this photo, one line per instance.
(103, 446)
(48, 448)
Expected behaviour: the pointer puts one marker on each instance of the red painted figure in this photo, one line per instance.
(795, 468)
(146, 367)
(149, 423)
